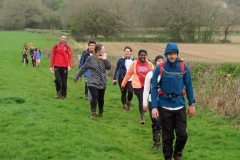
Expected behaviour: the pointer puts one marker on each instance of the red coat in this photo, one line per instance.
(61, 55)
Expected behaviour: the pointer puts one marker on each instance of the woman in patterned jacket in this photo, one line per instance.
(97, 78)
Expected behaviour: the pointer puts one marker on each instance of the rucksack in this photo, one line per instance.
(66, 47)
(181, 63)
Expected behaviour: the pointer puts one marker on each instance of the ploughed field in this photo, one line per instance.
(189, 52)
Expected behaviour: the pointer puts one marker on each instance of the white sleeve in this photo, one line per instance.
(147, 86)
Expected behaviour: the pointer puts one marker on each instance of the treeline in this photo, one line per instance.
(175, 20)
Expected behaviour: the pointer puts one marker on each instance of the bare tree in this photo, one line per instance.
(228, 21)
(17, 14)
(98, 18)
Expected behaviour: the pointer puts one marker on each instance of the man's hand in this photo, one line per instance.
(69, 68)
(145, 108)
(155, 113)
(191, 111)
(79, 79)
(51, 69)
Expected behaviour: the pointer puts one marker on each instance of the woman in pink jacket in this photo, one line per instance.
(138, 69)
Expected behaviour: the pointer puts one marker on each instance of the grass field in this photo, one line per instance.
(34, 125)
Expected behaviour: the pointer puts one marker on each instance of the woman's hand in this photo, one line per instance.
(103, 57)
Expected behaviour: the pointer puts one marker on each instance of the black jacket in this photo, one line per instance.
(121, 69)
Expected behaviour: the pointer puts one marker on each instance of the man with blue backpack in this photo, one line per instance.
(85, 54)
(168, 101)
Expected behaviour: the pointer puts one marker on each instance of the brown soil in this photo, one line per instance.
(189, 52)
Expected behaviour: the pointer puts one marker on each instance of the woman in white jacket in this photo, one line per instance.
(156, 123)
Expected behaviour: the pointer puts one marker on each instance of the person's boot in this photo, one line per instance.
(100, 113)
(58, 94)
(125, 109)
(177, 155)
(156, 139)
(129, 107)
(179, 146)
(142, 118)
(93, 115)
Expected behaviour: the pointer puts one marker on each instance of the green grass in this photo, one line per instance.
(34, 125)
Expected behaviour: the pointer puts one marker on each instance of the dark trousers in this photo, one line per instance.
(97, 98)
(173, 120)
(139, 93)
(26, 60)
(156, 123)
(34, 63)
(127, 90)
(61, 75)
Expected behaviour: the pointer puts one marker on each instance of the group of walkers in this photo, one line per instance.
(159, 88)
(35, 54)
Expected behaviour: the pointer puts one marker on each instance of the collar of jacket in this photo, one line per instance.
(123, 57)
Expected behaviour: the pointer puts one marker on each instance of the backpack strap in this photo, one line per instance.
(181, 63)
(66, 47)
(161, 68)
(55, 46)
(182, 66)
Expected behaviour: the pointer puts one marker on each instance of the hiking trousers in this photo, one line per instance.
(139, 93)
(156, 123)
(97, 98)
(173, 121)
(128, 89)
(61, 75)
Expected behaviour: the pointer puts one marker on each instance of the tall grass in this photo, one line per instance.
(34, 125)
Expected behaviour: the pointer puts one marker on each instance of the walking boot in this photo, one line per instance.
(125, 108)
(177, 155)
(156, 145)
(100, 113)
(93, 115)
(142, 118)
(156, 139)
(129, 107)
(58, 94)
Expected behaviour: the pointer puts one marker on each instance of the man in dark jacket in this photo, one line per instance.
(85, 54)
(168, 101)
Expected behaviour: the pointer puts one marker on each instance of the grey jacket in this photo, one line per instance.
(97, 76)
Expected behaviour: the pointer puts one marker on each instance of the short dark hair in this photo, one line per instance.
(142, 51)
(127, 47)
(91, 41)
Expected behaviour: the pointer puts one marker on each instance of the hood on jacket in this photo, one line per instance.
(171, 47)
